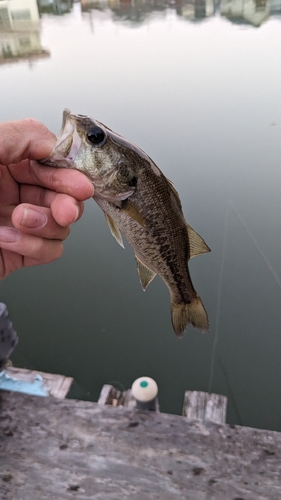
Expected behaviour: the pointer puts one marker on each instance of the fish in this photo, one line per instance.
(139, 203)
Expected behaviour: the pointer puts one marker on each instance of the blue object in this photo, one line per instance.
(35, 388)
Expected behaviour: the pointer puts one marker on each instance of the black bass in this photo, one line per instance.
(142, 204)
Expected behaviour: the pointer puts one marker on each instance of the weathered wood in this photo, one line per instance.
(205, 406)
(56, 385)
(111, 396)
(65, 449)
(105, 395)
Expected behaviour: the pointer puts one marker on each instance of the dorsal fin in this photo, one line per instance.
(114, 230)
(196, 244)
(146, 275)
(176, 194)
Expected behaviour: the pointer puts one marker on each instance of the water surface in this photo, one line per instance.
(197, 86)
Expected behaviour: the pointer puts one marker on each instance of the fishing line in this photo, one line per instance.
(251, 236)
(216, 337)
(230, 392)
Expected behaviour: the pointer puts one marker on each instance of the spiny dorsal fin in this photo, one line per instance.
(176, 194)
(114, 230)
(196, 244)
(146, 275)
(132, 211)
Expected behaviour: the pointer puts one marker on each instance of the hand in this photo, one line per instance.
(37, 203)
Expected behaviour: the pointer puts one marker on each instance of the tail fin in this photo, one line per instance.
(193, 313)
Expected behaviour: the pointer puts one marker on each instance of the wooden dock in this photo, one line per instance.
(54, 449)
(54, 385)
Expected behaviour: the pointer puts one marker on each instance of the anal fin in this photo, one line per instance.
(146, 275)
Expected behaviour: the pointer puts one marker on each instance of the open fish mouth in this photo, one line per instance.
(66, 131)
(68, 143)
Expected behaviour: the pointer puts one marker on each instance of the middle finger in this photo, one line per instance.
(65, 208)
(38, 221)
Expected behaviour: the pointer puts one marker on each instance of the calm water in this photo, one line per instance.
(197, 86)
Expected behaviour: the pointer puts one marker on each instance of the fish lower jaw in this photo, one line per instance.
(57, 160)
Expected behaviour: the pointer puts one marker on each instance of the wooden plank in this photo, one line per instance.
(129, 400)
(57, 385)
(111, 396)
(105, 395)
(205, 406)
(64, 449)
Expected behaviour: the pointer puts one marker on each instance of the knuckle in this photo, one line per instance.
(52, 251)
(39, 246)
(57, 250)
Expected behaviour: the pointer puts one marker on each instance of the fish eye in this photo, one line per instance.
(96, 135)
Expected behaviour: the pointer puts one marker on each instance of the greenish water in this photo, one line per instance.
(197, 86)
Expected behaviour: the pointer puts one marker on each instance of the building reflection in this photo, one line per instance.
(20, 19)
(88, 5)
(20, 32)
(254, 12)
(138, 11)
(196, 10)
(56, 7)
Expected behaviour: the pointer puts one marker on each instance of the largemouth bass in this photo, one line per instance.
(140, 203)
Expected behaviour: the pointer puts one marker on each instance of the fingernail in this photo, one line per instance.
(9, 234)
(77, 214)
(33, 218)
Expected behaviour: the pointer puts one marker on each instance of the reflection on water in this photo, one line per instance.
(20, 32)
(56, 7)
(20, 21)
(254, 12)
(139, 11)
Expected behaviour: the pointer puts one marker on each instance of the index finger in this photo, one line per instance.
(64, 180)
(61, 180)
(22, 139)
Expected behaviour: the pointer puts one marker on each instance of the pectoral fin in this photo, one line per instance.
(196, 244)
(146, 275)
(132, 211)
(114, 230)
